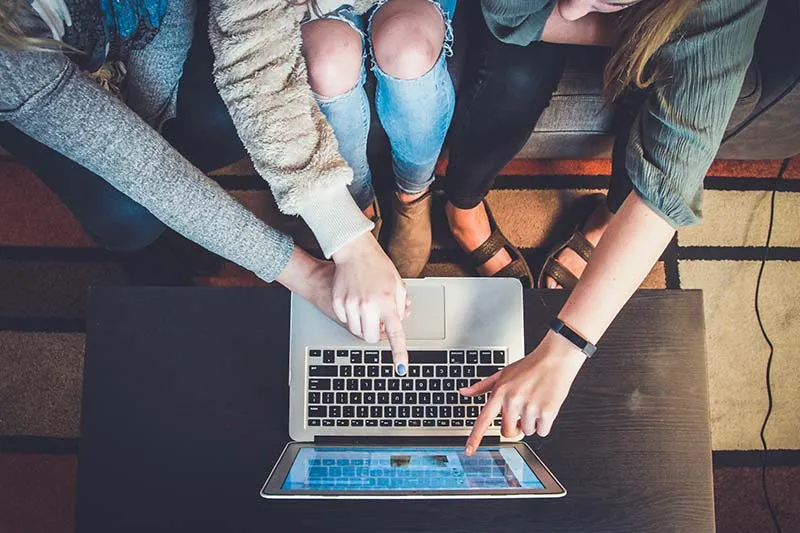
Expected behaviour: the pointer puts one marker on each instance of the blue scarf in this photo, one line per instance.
(123, 18)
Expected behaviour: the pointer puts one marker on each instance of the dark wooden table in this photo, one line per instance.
(185, 412)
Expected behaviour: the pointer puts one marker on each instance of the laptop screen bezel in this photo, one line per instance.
(273, 487)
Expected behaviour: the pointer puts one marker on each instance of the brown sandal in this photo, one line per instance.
(577, 242)
(518, 267)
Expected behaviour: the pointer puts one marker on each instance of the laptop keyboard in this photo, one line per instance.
(359, 388)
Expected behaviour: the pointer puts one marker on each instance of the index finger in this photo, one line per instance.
(488, 414)
(397, 341)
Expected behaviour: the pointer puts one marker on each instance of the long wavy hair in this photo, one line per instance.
(644, 28)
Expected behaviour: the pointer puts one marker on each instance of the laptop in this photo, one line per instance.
(361, 431)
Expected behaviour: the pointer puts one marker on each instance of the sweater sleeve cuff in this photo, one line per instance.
(335, 219)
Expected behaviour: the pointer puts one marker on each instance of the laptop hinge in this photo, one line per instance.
(351, 440)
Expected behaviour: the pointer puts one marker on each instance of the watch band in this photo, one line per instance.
(572, 336)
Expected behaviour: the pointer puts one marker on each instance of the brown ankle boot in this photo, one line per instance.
(410, 235)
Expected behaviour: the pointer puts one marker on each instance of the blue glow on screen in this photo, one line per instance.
(408, 469)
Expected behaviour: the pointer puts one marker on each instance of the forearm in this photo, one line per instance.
(595, 29)
(633, 242)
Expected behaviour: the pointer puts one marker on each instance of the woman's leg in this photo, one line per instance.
(415, 98)
(334, 52)
(506, 89)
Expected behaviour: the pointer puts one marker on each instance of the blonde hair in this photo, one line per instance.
(12, 36)
(644, 29)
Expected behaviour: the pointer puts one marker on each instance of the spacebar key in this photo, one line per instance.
(429, 357)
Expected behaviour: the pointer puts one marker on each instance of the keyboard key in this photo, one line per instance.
(314, 397)
(376, 411)
(435, 384)
(386, 371)
(341, 397)
(383, 398)
(335, 411)
(461, 383)
(404, 411)
(445, 411)
(386, 357)
(327, 397)
(428, 423)
(427, 357)
(371, 356)
(394, 384)
(431, 411)
(456, 357)
(469, 422)
(371, 422)
(390, 411)
(457, 423)
(411, 398)
(355, 398)
(472, 357)
(407, 384)
(317, 411)
(322, 371)
(352, 383)
(328, 422)
(373, 371)
(486, 357)
(355, 357)
(415, 423)
(427, 371)
(455, 371)
(319, 384)
(357, 423)
(449, 384)
(480, 400)
(417, 411)
(345, 371)
(497, 423)
(370, 398)
(473, 381)
(397, 398)
(379, 384)
(342, 353)
(414, 371)
(385, 423)
(362, 411)
(451, 398)
(338, 384)
(421, 384)
(399, 423)
(472, 411)
(468, 371)
(438, 398)
(327, 356)
(424, 398)
(499, 357)
(442, 423)
(359, 371)
(465, 400)
(314, 422)
(459, 411)
(314, 353)
(366, 384)
(342, 422)
(486, 371)
(441, 371)
(348, 411)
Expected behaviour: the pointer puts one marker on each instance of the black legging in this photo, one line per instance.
(504, 92)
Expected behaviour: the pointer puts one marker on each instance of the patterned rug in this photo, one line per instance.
(47, 265)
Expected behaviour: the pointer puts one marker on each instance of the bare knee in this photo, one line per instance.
(407, 37)
(333, 54)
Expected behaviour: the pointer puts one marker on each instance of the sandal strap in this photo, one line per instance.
(559, 273)
(580, 245)
(516, 269)
(488, 248)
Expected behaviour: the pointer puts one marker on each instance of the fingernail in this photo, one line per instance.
(401, 369)
(469, 449)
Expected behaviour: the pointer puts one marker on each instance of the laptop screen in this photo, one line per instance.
(409, 468)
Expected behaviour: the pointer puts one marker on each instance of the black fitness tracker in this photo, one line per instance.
(572, 336)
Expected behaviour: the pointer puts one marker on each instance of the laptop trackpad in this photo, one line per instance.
(426, 322)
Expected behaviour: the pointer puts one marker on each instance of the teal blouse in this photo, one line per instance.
(679, 129)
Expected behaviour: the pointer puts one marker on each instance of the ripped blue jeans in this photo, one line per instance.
(414, 113)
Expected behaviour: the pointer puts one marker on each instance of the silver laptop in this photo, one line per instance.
(361, 431)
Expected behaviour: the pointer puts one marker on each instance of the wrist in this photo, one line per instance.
(353, 249)
(562, 348)
(299, 273)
